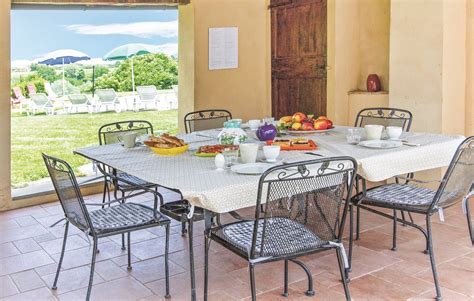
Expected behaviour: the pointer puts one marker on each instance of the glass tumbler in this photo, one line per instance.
(230, 156)
(354, 135)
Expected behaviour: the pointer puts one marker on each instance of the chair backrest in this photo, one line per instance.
(110, 133)
(147, 92)
(306, 200)
(78, 99)
(205, 120)
(39, 99)
(385, 117)
(17, 92)
(106, 95)
(49, 90)
(68, 192)
(31, 88)
(458, 180)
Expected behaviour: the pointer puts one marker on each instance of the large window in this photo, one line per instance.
(72, 73)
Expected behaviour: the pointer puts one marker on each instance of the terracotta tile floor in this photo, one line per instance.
(29, 250)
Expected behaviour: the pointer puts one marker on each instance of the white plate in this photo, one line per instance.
(251, 168)
(381, 144)
(302, 133)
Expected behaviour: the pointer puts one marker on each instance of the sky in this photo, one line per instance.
(94, 32)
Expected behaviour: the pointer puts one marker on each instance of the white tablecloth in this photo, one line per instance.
(224, 191)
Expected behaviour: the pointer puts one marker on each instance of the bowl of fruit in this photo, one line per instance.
(301, 124)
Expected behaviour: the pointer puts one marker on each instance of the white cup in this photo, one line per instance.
(393, 132)
(248, 152)
(144, 138)
(373, 132)
(269, 120)
(254, 124)
(128, 139)
(271, 152)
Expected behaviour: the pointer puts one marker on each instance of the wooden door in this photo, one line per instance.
(298, 57)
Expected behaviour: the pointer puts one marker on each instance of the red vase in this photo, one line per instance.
(373, 83)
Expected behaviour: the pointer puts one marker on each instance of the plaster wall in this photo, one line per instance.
(454, 67)
(186, 62)
(374, 41)
(360, 100)
(343, 57)
(416, 61)
(244, 91)
(5, 192)
(470, 69)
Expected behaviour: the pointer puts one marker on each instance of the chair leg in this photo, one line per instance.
(411, 218)
(183, 225)
(358, 224)
(123, 201)
(191, 260)
(129, 267)
(285, 286)
(343, 274)
(66, 228)
(432, 259)
(351, 236)
(91, 277)
(469, 222)
(167, 270)
(310, 291)
(252, 282)
(403, 217)
(206, 266)
(105, 191)
(394, 237)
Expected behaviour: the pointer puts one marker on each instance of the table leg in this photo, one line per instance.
(191, 259)
(208, 224)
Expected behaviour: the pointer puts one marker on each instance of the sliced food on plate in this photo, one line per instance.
(213, 150)
(300, 143)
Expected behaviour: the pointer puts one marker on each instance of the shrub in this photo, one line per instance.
(31, 79)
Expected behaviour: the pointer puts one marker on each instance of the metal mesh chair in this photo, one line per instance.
(113, 220)
(456, 186)
(385, 117)
(205, 120)
(109, 134)
(195, 121)
(304, 209)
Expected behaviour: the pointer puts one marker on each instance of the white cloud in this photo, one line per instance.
(137, 29)
(169, 49)
(20, 64)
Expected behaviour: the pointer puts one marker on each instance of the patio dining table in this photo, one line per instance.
(224, 191)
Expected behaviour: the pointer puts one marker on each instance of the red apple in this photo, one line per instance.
(307, 126)
(299, 117)
(330, 124)
(321, 124)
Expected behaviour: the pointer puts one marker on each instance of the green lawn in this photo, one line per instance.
(59, 135)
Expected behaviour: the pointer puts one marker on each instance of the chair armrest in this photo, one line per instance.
(237, 216)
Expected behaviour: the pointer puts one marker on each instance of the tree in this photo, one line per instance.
(75, 73)
(157, 70)
(100, 70)
(46, 72)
